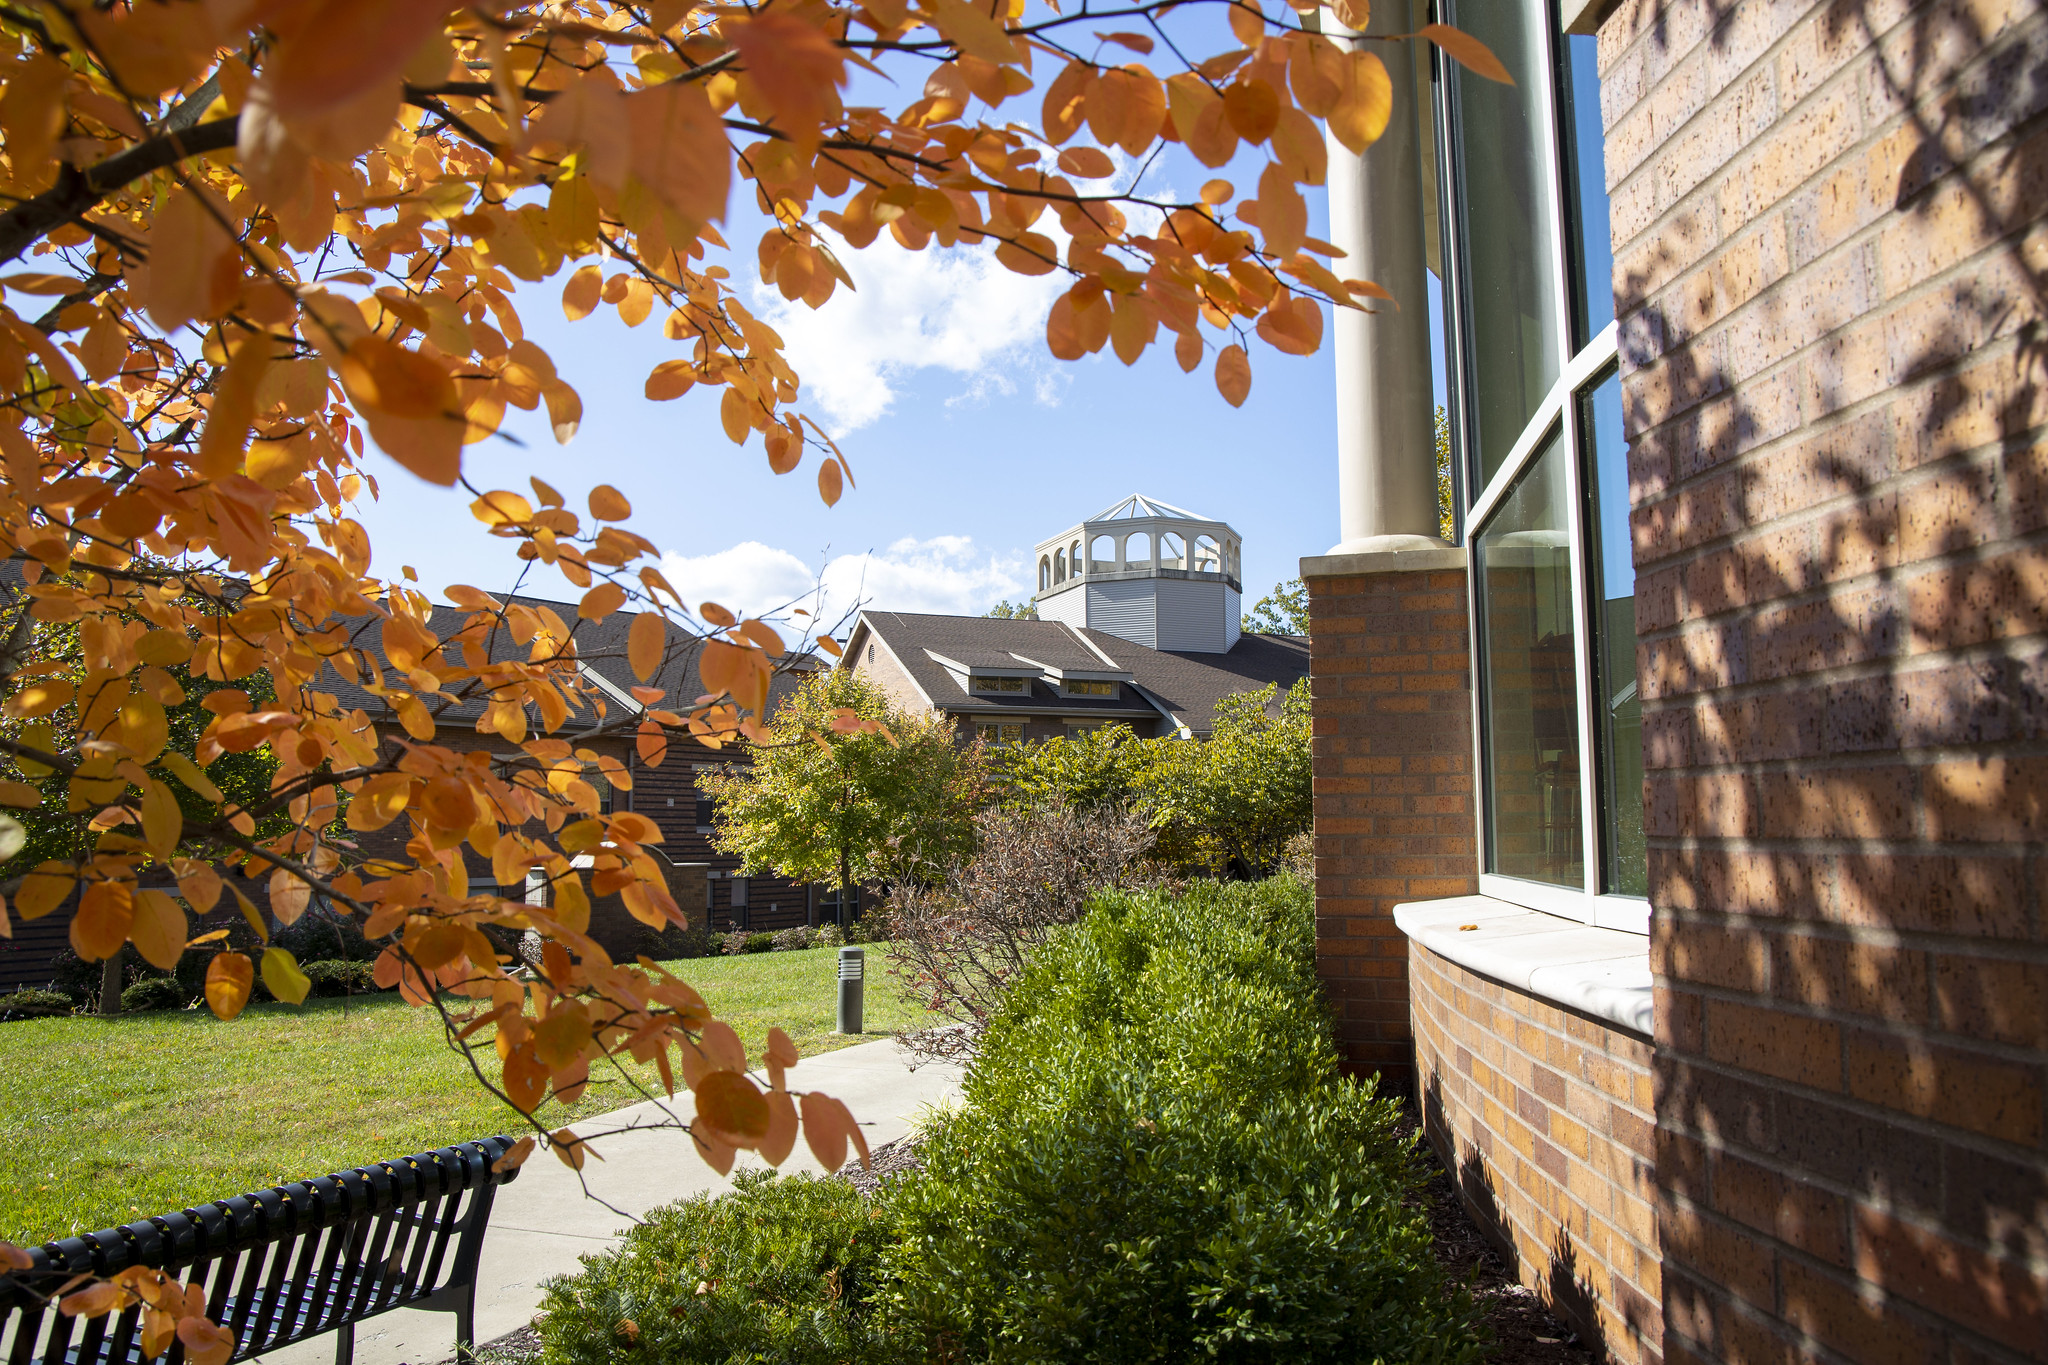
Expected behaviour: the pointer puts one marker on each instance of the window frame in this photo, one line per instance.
(1583, 370)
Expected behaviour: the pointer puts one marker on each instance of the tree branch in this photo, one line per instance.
(78, 191)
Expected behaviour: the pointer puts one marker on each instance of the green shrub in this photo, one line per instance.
(758, 943)
(341, 977)
(1160, 1163)
(778, 1270)
(156, 993)
(33, 1004)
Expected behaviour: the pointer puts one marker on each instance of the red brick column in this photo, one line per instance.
(1828, 232)
(1391, 673)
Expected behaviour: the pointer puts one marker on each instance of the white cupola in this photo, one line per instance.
(1149, 572)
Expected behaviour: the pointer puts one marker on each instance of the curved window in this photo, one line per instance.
(1059, 566)
(1536, 413)
(1074, 563)
(1044, 574)
(1172, 552)
(1208, 559)
(1102, 555)
(1138, 550)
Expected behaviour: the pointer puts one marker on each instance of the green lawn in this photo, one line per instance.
(106, 1120)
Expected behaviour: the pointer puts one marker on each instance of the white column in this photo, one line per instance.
(1386, 441)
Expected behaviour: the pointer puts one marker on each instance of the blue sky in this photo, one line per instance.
(969, 443)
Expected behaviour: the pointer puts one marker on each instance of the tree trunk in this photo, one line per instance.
(845, 885)
(110, 982)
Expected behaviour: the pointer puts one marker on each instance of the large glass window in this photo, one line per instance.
(1618, 711)
(1586, 188)
(1503, 205)
(1523, 565)
(1530, 316)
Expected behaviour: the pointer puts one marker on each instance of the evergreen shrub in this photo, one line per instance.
(780, 1269)
(155, 993)
(1159, 1161)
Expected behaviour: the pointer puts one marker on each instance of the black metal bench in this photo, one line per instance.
(280, 1265)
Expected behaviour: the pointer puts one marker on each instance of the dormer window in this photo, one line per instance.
(1002, 684)
(1078, 687)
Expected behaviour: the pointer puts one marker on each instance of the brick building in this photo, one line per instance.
(1678, 828)
(706, 884)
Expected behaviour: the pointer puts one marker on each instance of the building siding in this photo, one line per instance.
(1125, 609)
(1191, 615)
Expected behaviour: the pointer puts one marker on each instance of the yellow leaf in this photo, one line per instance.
(1468, 50)
(19, 794)
(40, 737)
(160, 929)
(645, 644)
(609, 504)
(44, 889)
(248, 908)
(970, 28)
(733, 1107)
(569, 1148)
(190, 774)
(199, 884)
(830, 482)
(288, 896)
(206, 1342)
(501, 508)
(163, 824)
(1233, 375)
(1087, 162)
(601, 601)
(228, 979)
(1361, 111)
(282, 975)
(780, 1139)
(580, 294)
(379, 801)
(106, 912)
(827, 1128)
(671, 379)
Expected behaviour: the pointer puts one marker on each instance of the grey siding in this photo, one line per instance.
(1069, 607)
(1191, 615)
(1125, 609)
(1233, 617)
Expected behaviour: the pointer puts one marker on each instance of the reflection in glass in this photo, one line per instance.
(1523, 558)
(1612, 576)
(1586, 188)
(1509, 302)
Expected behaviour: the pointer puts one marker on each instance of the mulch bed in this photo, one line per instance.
(1524, 1331)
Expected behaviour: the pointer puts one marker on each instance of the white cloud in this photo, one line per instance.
(946, 574)
(954, 310)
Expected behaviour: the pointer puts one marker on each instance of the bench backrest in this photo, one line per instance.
(278, 1265)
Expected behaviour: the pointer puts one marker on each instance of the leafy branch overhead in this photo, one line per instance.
(247, 239)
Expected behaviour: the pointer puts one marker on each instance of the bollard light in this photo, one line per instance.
(852, 988)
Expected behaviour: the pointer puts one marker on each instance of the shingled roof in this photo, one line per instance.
(1157, 689)
(600, 648)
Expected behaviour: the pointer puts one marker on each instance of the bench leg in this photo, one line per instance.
(345, 1344)
(465, 1325)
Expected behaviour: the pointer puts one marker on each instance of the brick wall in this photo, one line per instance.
(1391, 676)
(1544, 1118)
(1829, 274)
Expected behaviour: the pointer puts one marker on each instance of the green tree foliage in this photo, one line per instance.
(847, 789)
(1234, 798)
(1007, 610)
(63, 828)
(1283, 611)
(1240, 795)
(1084, 772)
(1446, 488)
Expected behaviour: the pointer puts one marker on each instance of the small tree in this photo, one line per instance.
(1085, 772)
(1006, 610)
(1241, 795)
(845, 789)
(1283, 611)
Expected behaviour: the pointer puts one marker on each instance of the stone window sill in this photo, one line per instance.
(1601, 972)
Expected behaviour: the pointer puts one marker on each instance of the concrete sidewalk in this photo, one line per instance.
(543, 1221)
